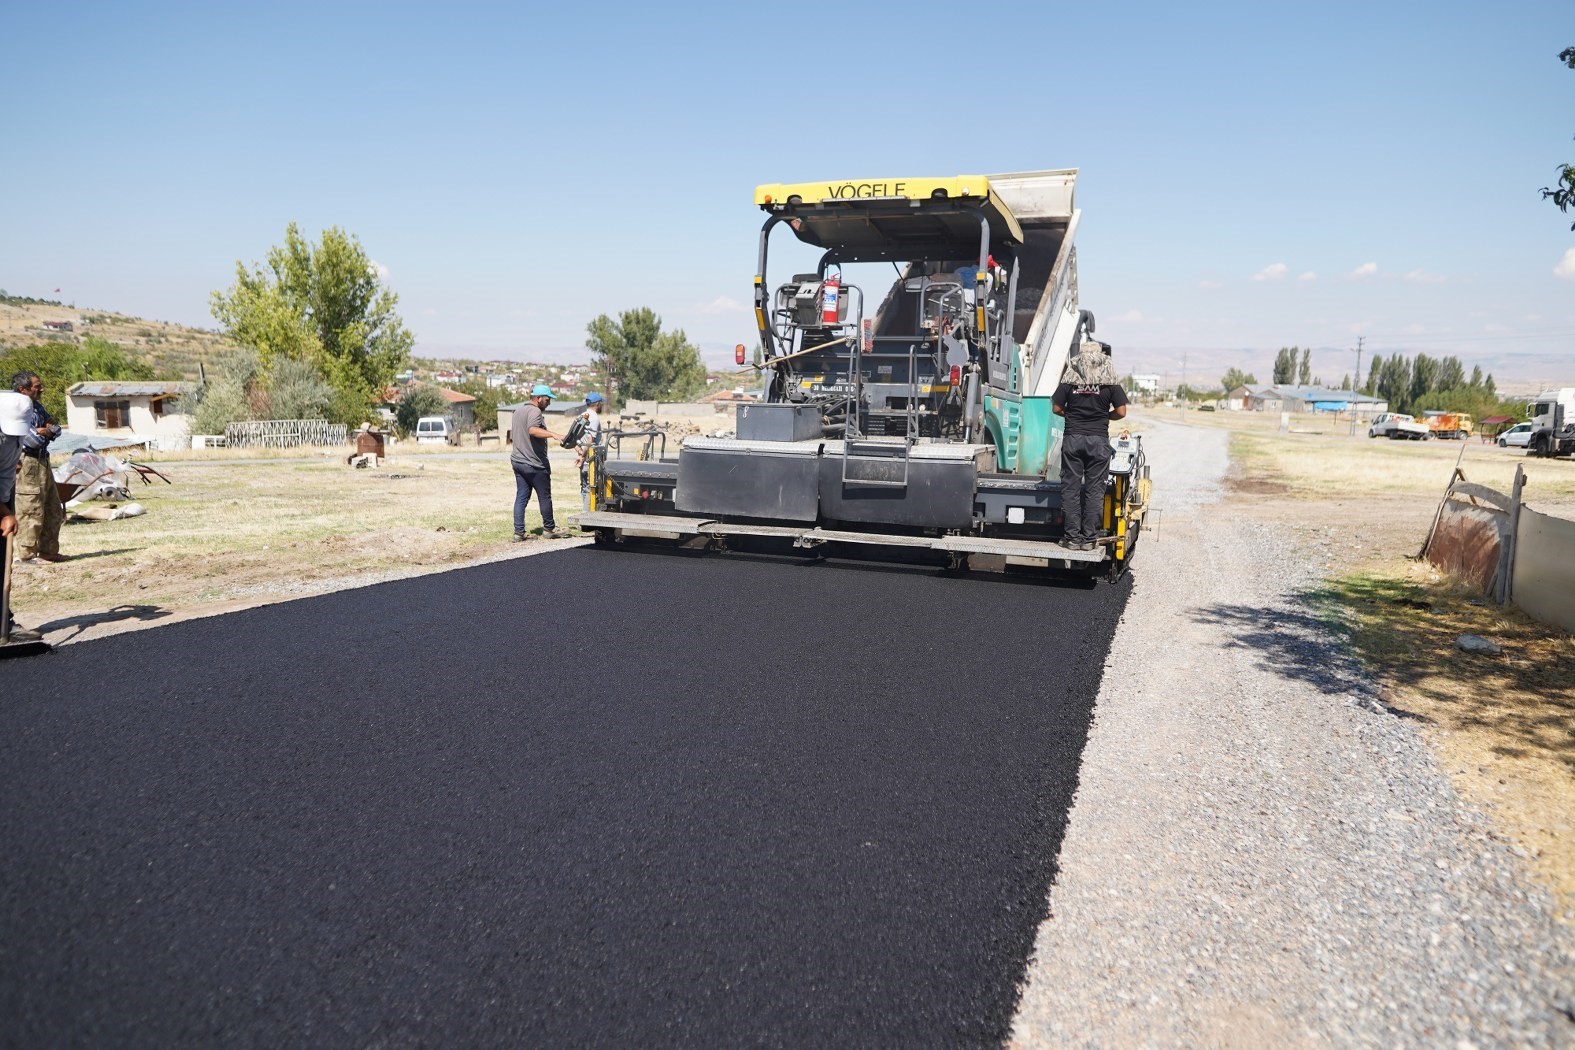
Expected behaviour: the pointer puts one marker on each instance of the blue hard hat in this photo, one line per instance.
(594, 399)
(541, 390)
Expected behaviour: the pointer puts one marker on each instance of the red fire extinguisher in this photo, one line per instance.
(828, 300)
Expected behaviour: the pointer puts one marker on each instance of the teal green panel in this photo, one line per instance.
(1037, 433)
(1001, 417)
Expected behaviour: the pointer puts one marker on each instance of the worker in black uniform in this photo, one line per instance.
(1088, 398)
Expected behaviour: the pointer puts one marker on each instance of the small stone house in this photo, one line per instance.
(156, 410)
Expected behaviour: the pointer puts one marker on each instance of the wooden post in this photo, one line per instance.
(1506, 580)
(1456, 475)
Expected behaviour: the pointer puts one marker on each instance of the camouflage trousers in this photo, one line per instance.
(38, 511)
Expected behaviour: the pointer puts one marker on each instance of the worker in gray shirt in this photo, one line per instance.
(528, 456)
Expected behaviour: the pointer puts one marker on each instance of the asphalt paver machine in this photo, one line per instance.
(912, 420)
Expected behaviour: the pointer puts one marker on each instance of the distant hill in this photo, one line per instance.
(172, 349)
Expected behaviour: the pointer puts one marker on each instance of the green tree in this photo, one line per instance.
(1451, 374)
(324, 305)
(1306, 368)
(1394, 383)
(1235, 378)
(641, 362)
(1424, 378)
(233, 393)
(1285, 366)
(1374, 372)
(1562, 192)
(420, 399)
(62, 365)
(295, 390)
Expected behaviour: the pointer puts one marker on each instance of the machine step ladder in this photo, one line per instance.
(880, 462)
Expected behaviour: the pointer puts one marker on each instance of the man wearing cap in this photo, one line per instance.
(528, 457)
(14, 409)
(588, 440)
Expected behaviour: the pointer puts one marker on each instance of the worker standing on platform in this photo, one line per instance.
(528, 457)
(589, 439)
(1089, 397)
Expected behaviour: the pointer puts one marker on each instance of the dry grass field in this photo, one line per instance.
(235, 529)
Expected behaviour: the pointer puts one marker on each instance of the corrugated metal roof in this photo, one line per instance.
(117, 389)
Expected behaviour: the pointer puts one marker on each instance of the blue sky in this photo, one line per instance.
(1252, 175)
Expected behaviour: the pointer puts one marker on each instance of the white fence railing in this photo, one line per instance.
(284, 433)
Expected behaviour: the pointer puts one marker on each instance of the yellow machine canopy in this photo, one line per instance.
(875, 219)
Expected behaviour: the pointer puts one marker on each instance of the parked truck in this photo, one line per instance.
(911, 420)
(1552, 416)
(1451, 426)
(1398, 426)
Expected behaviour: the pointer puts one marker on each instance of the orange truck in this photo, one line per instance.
(1449, 424)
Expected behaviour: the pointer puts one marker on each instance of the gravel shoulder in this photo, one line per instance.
(1269, 855)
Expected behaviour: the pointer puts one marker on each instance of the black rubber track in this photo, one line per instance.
(587, 798)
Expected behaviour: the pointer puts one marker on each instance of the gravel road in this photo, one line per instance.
(1261, 854)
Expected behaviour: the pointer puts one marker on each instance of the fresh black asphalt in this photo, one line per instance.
(584, 799)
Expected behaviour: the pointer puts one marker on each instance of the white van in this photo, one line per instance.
(435, 430)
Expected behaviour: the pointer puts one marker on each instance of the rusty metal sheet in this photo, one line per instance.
(1468, 542)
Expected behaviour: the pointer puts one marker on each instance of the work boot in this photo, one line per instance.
(22, 634)
(520, 537)
(556, 534)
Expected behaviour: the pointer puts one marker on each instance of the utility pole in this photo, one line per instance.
(1356, 384)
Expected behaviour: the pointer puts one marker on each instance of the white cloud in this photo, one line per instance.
(1415, 329)
(379, 269)
(1308, 276)
(1423, 277)
(1272, 272)
(723, 304)
(1130, 317)
(1566, 266)
(1367, 269)
(1209, 286)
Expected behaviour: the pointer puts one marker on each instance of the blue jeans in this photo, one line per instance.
(527, 479)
